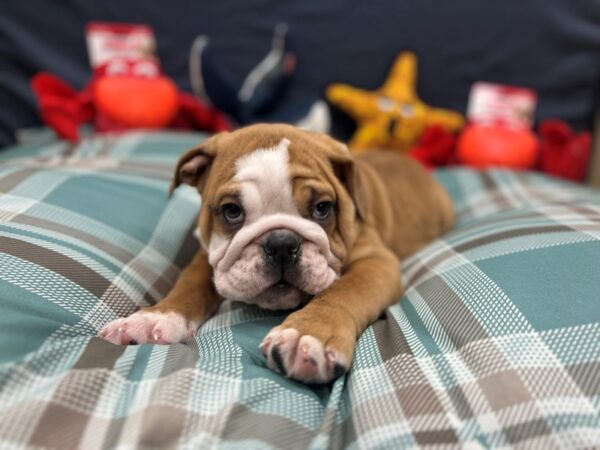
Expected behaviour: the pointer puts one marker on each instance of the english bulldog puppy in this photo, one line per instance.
(290, 219)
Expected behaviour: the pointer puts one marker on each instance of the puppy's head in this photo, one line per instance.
(279, 211)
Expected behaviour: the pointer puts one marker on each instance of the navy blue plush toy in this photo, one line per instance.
(258, 97)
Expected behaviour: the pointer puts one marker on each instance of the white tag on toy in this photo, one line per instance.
(501, 105)
(113, 44)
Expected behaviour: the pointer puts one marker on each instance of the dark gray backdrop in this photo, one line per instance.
(550, 45)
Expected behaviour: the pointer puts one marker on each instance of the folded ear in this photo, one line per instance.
(195, 162)
(350, 177)
(345, 169)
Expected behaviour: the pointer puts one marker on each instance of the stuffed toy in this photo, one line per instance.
(557, 150)
(436, 147)
(121, 96)
(392, 116)
(482, 145)
(259, 97)
(563, 153)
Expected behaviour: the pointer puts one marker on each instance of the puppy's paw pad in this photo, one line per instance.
(149, 327)
(302, 358)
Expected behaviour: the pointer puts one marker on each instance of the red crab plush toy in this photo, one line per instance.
(563, 152)
(122, 95)
(435, 148)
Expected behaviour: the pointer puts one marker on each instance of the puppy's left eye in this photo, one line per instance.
(322, 210)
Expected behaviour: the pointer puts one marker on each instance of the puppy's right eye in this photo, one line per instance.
(234, 214)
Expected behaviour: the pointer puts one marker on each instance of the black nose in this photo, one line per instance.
(282, 248)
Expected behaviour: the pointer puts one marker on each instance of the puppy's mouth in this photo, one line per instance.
(282, 284)
(283, 294)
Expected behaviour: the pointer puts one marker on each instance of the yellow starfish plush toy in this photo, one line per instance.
(392, 116)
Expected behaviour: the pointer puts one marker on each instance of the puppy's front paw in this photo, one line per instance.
(149, 327)
(302, 357)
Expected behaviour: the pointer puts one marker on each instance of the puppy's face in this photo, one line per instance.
(278, 212)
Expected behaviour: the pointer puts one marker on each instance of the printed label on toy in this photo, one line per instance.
(496, 104)
(125, 44)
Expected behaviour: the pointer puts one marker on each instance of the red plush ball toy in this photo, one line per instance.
(497, 146)
(138, 96)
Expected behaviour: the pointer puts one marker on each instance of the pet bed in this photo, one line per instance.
(494, 344)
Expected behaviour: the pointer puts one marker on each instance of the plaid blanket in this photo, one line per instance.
(496, 343)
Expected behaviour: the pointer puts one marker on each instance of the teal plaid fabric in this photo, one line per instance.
(496, 343)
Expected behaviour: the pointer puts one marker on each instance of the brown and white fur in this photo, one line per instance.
(311, 227)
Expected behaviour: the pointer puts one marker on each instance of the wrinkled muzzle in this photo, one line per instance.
(244, 269)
